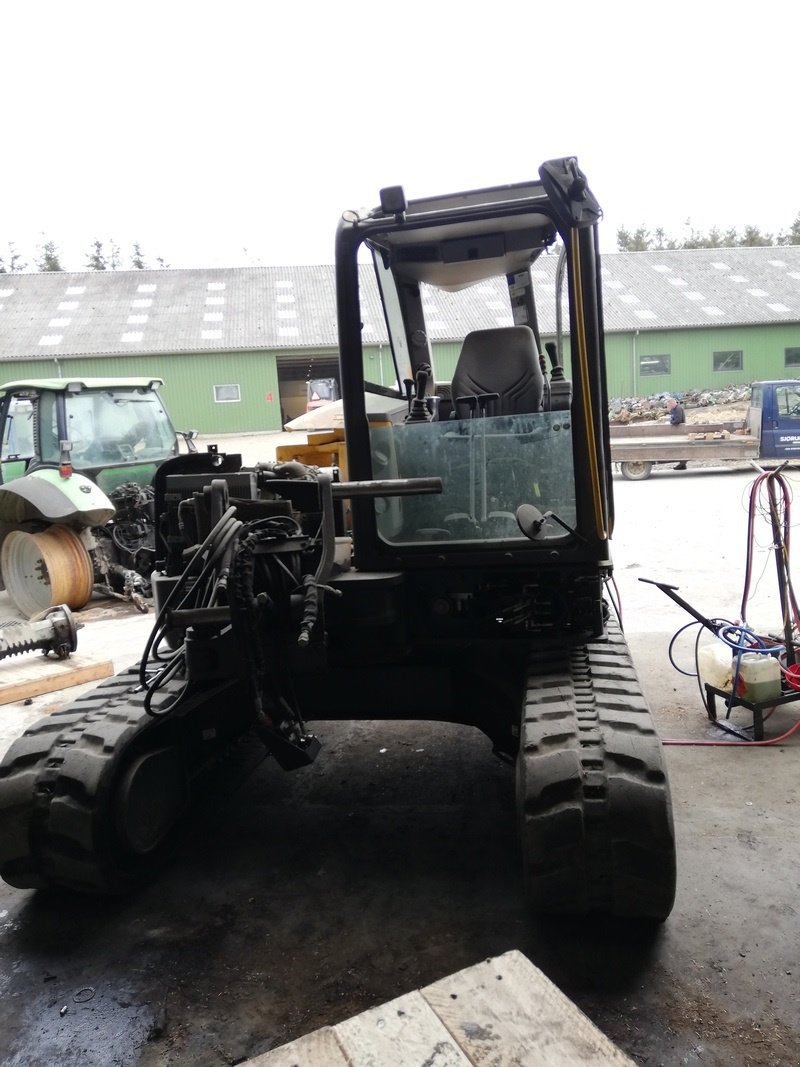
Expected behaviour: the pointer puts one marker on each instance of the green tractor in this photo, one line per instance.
(77, 462)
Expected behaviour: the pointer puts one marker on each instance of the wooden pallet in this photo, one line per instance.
(502, 1012)
(31, 674)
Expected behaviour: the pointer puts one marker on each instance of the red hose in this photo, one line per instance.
(733, 744)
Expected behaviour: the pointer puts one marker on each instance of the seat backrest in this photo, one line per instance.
(503, 361)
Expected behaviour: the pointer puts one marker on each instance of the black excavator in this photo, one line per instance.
(452, 566)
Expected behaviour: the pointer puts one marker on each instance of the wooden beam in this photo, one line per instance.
(502, 1012)
(32, 674)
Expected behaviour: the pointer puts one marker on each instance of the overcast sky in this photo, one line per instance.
(233, 133)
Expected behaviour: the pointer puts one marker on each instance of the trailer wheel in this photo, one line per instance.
(636, 472)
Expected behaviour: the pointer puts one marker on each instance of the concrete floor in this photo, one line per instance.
(303, 899)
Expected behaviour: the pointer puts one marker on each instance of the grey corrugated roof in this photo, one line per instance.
(650, 291)
(701, 287)
(114, 312)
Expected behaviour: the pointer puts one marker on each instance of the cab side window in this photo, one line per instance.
(18, 437)
(787, 399)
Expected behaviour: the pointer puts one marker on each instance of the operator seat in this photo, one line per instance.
(503, 361)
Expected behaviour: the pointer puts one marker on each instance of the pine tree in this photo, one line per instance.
(96, 259)
(114, 258)
(638, 241)
(751, 237)
(13, 263)
(754, 238)
(792, 237)
(49, 259)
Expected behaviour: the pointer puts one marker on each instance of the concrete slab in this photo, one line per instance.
(309, 898)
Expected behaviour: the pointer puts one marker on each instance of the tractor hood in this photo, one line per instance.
(44, 494)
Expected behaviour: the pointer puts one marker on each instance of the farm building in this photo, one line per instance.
(236, 346)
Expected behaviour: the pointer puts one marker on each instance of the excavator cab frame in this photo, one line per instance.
(548, 450)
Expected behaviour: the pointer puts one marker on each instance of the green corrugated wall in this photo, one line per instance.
(189, 380)
(691, 355)
(445, 357)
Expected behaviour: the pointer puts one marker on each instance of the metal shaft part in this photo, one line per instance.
(54, 630)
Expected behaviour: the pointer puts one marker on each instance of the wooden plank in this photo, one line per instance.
(506, 1013)
(665, 430)
(402, 1033)
(32, 674)
(502, 1012)
(320, 1048)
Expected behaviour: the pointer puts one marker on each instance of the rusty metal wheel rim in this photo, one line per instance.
(43, 569)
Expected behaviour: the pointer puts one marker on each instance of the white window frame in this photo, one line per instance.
(227, 400)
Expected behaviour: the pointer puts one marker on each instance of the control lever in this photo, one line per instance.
(560, 387)
(477, 402)
(485, 399)
(418, 409)
(408, 385)
(557, 373)
(470, 401)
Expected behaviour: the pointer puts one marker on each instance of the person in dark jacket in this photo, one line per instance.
(677, 417)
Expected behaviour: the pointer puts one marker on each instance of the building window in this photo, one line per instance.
(728, 361)
(655, 364)
(791, 357)
(227, 394)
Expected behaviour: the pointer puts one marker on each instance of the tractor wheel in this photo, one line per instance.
(41, 570)
(593, 800)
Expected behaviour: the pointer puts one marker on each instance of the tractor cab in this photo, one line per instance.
(111, 430)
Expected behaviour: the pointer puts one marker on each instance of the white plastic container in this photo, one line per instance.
(715, 665)
(759, 676)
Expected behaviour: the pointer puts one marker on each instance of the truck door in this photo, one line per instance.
(17, 447)
(780, 420)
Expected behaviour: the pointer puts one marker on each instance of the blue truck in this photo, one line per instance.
(770, 432)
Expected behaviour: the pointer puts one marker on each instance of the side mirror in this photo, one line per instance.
(189, 437)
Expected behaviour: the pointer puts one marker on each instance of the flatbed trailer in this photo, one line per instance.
(638, 448)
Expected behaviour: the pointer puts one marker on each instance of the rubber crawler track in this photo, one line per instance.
(593, 798)
(54, 789)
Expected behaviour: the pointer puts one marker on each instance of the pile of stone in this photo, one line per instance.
(643, 408)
